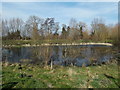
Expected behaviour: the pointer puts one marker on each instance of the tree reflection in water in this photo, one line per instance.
(60, 55)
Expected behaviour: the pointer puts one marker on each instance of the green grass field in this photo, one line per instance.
(31, 76)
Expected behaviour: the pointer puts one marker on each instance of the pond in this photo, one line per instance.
(59, 55)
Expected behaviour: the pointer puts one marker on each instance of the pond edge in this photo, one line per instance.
(64, 44)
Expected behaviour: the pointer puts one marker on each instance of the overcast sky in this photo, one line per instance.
(63, 11)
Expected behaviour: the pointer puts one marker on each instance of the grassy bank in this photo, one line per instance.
(30, 76)
(54, 41)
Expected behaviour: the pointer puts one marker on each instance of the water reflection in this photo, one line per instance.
(58, 55)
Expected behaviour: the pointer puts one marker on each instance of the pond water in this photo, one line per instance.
(58, 55)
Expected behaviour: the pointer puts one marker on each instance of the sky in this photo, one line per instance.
(63, 11)
(60, 0)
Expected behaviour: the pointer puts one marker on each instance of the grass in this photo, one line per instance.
(31, 76)
(21, 42)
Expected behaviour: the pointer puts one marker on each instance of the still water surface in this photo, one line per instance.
(58, 55)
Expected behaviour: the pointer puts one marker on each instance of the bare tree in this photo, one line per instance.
(15, 24)
(99, 30)
(73, 27)
(50, 26)
(73, 23)
(81, 25)
(33, 25)
(5, 28)
(56, 28)
(12, 28)
(64, 31)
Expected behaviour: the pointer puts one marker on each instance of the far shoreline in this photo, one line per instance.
(64, 44)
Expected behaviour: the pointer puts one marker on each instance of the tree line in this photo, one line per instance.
(36, 28)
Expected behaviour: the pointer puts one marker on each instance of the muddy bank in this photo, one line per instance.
(64, 44)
